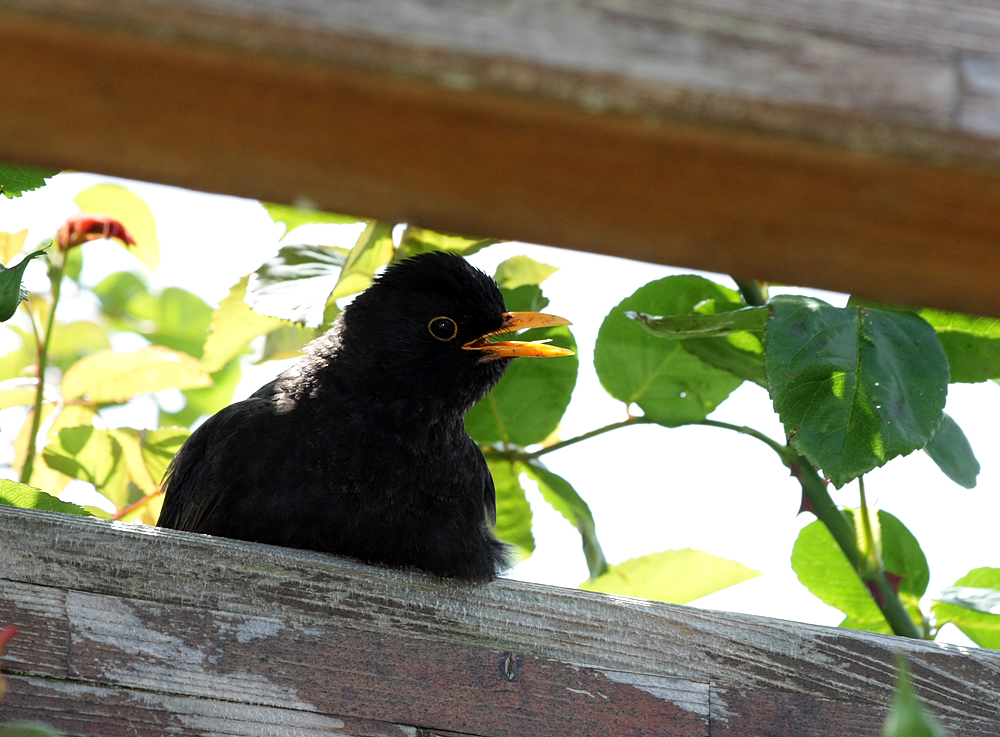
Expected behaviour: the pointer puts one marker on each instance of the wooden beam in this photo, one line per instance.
(848, 144)
(131, 626)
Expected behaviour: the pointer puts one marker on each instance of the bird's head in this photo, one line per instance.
(428, 327)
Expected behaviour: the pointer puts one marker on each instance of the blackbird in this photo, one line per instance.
(360, 449)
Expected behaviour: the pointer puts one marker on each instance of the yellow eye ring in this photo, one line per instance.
(443, 328)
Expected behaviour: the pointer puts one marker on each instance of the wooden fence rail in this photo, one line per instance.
(135, 630)
(845, 144)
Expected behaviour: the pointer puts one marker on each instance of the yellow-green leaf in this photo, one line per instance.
(374, 249)
(159, 448)
(131, 211)
(111, 377)
(233, 326)
(518, 271)
(675, 576)
(92, 455)
(11, 244)
(293, 217)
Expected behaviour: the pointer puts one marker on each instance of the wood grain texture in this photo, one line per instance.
(131, 620)
(847, 144)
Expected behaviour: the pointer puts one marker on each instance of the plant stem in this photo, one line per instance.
(814, 489)
(753, 293)
(516, 454)
(55, 277)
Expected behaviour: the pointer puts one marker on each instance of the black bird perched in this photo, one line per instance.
(360, 449)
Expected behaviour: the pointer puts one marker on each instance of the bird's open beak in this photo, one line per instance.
(513, 348)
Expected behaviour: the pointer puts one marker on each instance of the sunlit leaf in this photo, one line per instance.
(75, 340)
(670, 384)
(907, 717)
(28, 497)
(822, 568)
(123, 205)
(558, 492)
(17, 393)
(112, 377)
(117, 290)
(526, 406)
(130, 441)
(854, 387)
(973, 605)
(674, 576)
(160, 446)
(71, 415)
(518, 271)
(16, 180)
(420, 240)
(293, 217)
(288, 341)
(232, 328)
(373, 250)
(513, 510)
(208, 400)
(91, 455)
(176, 319)
(297, 283)
(11, 291)
(11, 244)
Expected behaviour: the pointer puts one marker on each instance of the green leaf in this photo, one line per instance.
(907, 718)
(519, 271)
(669, 383)
(971, 343)
(75, 340)
(822, 568)
(973, 605)
(109, 377)
(673, 576)
(854, 387)
(208, 400)
(11, 244)
(420, 240)
(91, 455)
(951, 451)
(16, 180)
(694, 325)
(11, 291)
(160, 446)
(130, 210)
(373, 250)
(232, 328)
(176, 319)
(288, 341)
(117, 290)
(528, 403)
(296, 284)
(558, 492)
(728, 340)
(293, 217)
(513, 511)
(28, 497)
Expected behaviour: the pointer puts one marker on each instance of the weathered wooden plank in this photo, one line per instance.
(850, 145)
(193, 586)
(91, 710)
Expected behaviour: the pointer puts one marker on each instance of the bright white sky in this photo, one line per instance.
(650, 488)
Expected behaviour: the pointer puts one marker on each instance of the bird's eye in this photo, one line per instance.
(443, 328)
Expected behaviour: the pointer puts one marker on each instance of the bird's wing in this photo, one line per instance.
(489, 491)
(205, 470)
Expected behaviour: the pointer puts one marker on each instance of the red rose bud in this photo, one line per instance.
(81, 228)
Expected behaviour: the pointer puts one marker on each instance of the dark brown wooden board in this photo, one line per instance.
(852, 145)
(130, 625)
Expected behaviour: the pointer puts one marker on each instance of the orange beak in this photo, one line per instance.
(513, 348)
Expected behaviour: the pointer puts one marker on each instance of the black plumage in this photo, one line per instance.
(360, 449)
